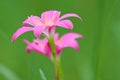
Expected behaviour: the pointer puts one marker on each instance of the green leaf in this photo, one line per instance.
(7, 73)
(42, 75)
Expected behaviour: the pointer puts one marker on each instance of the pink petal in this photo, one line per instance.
(71, 35)
(28, 48)
(32, 46)
(58, 50)
(33, 20)
(56, 36)
(70, 15)
(68, 40)
(47, 50)
(20, 31)
(71, 43)
(39, 46)
(38, 30)
(50, 16)
(66, 24)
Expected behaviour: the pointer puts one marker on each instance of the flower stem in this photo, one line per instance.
(58, 69)
(51, 42)
(56, 61)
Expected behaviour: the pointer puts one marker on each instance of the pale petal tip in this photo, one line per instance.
(26, 41)
(28, 50)
(77, 49)
(81, 19)
(80, 36)
(13, 39)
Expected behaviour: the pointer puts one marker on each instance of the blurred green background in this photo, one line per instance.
(99, 54)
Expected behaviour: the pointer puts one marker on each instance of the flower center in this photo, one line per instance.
(58, 42)
(41, 46)
(50, 21)
(38, 23)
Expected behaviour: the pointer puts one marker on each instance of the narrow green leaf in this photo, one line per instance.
(42, 75)
(7, 73)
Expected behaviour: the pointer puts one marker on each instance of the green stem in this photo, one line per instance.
(58, 69)
(56, 61)
(51, 41)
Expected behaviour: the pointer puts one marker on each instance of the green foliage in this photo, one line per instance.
(42, 75)
(99, 54)
(7, 73)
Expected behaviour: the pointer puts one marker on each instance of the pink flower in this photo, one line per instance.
(42, 46)
(39, 46)
(48, 20)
